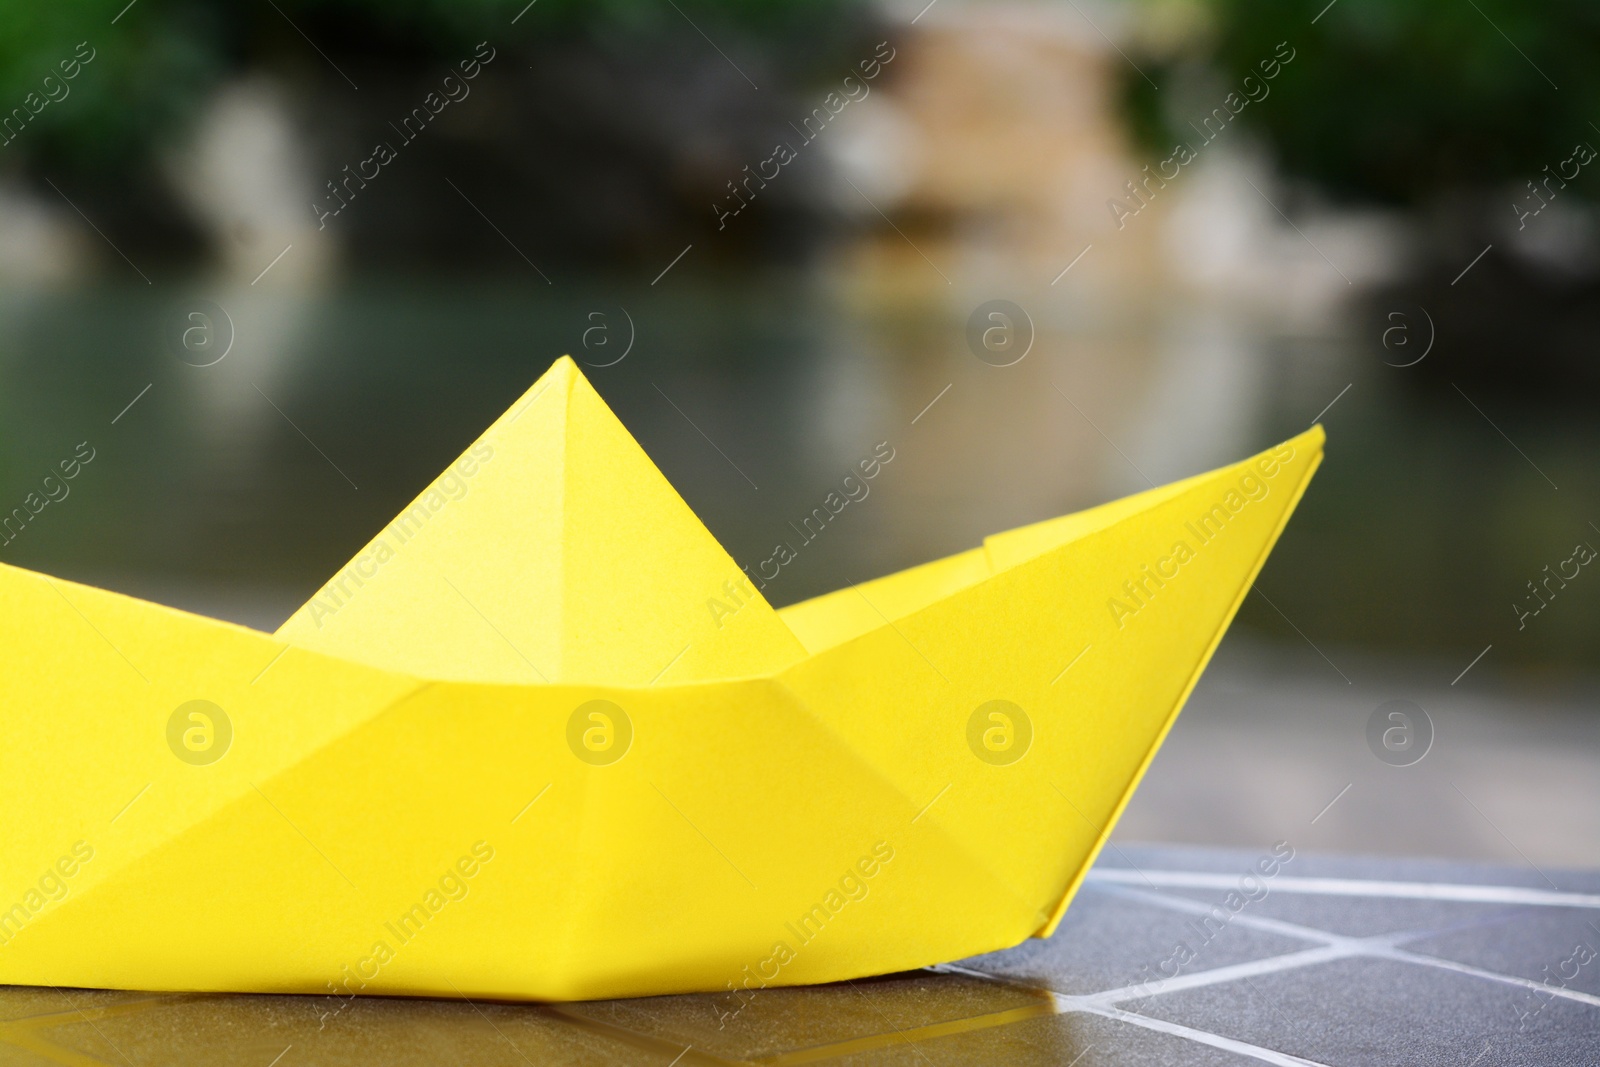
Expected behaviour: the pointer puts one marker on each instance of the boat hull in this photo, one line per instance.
(860, 812)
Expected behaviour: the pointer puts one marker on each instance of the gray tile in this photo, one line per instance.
(1377, 1013)
(1558, 946)
(1106, 942)
(1357, 916)
(1073, 1039)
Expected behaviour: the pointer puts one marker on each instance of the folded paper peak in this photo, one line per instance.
(507, 751)
(556, 526)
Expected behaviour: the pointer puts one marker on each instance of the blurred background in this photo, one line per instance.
(275, 263)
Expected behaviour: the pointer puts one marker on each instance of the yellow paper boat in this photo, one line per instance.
(516, 749)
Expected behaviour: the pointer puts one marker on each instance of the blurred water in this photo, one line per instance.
(235, 484)
(235, 489)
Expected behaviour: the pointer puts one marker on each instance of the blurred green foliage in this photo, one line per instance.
(1385, 101)
(153, 64)
(145, 74)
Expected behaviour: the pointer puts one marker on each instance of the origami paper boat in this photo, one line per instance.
(509, 752)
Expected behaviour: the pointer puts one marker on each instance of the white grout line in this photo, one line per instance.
(1289, 961)
(1358, 887)
(1333, 947)
(1401, 955)
(1381, 946)
(1204, 1037)
(1067, 1004)
(1351, 945)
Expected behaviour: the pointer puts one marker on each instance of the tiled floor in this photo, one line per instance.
(1329, 961)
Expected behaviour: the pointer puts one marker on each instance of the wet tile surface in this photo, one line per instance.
(1168, 956)
(1377, 1012)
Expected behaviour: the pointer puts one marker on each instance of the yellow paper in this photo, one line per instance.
(552, 550)
(523, 755)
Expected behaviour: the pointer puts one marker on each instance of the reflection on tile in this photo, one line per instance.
(1116, 942)
(1059, 1040)
(257, 1030)
(781, 1024)
(1332, 972)
(23, 1002)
